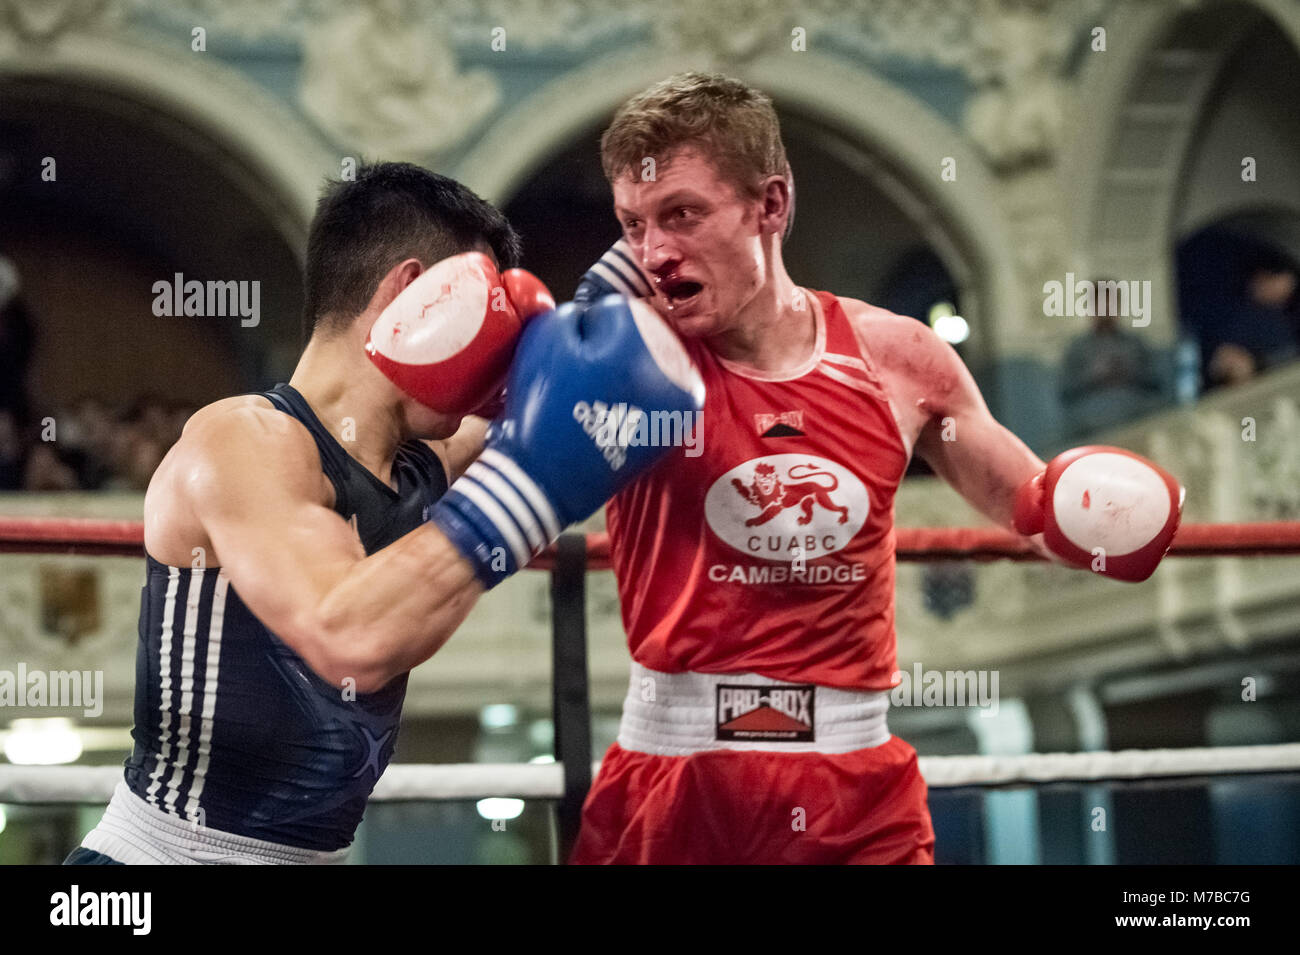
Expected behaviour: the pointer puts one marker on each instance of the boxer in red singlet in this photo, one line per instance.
(756, 563)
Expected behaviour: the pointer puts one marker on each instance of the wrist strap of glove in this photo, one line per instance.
(615, 273)
(497, 517)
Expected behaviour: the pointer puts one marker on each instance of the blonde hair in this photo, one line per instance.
(732, 124)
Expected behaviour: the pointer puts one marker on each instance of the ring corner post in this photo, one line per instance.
(571, 706)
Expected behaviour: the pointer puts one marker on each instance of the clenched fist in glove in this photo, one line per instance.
(448, 337)
(1103, 508)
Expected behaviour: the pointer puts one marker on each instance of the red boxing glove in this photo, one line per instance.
(1103, 508)
(530, 297)
(448, 337)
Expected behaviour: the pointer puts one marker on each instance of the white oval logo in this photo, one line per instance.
(787, 507)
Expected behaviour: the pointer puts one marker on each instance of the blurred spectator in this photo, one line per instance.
(45, 470)
(16, 342)
(1237, 296)
(94, 447)
(1108, 375)
(91, 445)
(11, 452)
(1230, 365)
(138, 442)
(1257, 329)
(88, 432)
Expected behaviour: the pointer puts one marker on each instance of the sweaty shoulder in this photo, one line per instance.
(882, 328)
(906, 349)
(215, 410)
(228, 451)
(248, 435)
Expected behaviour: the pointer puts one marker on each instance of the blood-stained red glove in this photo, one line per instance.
(447, 339)
(1103, 508)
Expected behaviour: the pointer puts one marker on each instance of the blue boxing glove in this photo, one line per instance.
(589, 387)
(615, 273)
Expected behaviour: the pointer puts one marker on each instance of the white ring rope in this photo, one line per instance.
(951, 771)
(408, 782)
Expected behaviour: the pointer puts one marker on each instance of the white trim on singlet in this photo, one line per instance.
(189, 646)
(213, 669)
(164, 676)
(857, 384)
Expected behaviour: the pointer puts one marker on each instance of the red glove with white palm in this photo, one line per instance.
(447, 338)
(1103, 508)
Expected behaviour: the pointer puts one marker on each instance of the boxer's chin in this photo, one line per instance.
(698, 326)
(691, 321)
(429, 425)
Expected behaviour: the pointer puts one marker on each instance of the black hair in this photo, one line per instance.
(1269, 258)
(390, 212)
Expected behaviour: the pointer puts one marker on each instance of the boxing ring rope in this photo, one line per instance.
(567, 781)
(58, 535)
(449, 782)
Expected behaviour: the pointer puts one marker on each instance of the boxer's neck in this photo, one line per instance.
(352, 399)
(774, 331)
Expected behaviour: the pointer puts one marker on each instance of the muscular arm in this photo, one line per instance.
(252, 480)
(981, 459)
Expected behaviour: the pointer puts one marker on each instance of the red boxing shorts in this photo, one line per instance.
(739, 769)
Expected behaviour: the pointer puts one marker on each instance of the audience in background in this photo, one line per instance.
(1108, 375)
(94, 447)
(89, 446)
(1260, 327)
(17, 340)
(11, 452)
(1237, 296)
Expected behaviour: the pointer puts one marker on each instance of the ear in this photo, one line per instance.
(390, 286)
(776, 208)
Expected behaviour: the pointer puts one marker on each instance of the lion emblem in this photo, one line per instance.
(772, 496)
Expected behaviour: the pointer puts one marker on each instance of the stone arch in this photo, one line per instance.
(1128, 178)
(255, 140)
(215, 128)
(963, 221)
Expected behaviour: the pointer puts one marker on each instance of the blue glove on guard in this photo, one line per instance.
(585, 396)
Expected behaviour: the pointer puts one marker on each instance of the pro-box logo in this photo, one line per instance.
(787, 506)
(765, 713)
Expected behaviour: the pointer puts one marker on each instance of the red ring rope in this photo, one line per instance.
(58, 535)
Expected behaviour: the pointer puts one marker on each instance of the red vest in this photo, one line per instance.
(769, 547)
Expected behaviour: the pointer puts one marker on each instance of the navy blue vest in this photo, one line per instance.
(232, 730)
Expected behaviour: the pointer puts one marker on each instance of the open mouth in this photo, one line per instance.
(680, 292)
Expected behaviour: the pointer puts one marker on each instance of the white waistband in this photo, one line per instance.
(136, 833)
(676, 714)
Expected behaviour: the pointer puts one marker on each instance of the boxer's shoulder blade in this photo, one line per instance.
(231, 454)
(223, 406)
(244, 444)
